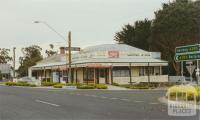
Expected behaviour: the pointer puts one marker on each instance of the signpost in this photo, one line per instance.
(188, 53)
(187, 56)
(73, 48)
(189, 48)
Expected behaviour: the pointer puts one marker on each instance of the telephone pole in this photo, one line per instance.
(14, 48)
(69, 56)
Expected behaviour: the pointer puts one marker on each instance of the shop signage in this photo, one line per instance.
(189, 48)
(73, 48)
(186, 53)
(98, 65)
(113, 54)
(186, 56)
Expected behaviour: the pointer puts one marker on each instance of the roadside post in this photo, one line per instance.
(190, 69)
(188, 53)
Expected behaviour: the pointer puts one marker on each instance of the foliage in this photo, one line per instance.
(51, 51)
(48, 83)
(115, 84)
(176, 24)
(101, 86)
(25, 84)
(183, 92)
(73, 84)
(136, 35)
(84, 86)
(4, 55)
(31, 55)
(58, 86)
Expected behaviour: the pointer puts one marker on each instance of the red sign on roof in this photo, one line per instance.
(113, 54)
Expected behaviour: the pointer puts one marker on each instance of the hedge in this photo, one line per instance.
(58, 86)
(19, 84)
(101, 86)
(181, 91)
(48, 83)
(84, 86)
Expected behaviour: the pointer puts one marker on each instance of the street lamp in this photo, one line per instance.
(69, 45)
(14, 48)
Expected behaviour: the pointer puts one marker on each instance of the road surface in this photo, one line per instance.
(57, 104)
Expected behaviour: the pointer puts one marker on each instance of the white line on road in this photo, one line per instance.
(138, 101)
(154, 103)
(114, 98)
(125, 99)
(48, 103)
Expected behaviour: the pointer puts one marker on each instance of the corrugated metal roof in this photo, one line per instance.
(112, 47)
(60, 59)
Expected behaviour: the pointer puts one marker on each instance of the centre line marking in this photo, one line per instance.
(139, 101)
(154, 103)
(125, 99)
(114, 98)
(48, 103)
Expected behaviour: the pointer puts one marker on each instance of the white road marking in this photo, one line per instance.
(154, 103)
(114, 98)
(138, 101)
(78, 94)
(125, 99)
(48, 103)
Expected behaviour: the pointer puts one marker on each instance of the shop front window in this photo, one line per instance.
(88, 74)
(121, 72)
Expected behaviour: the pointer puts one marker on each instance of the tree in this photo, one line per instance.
(51, 51)
(31, 55)
(176, 24)
(136, 35)
(4, 55)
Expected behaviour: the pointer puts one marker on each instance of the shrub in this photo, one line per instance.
(138, 87)
(115, 84)
(101, 86)
(181, 91)
(11, 83)
(71, 84)
(89, 86)
(58, 86)
(48, 83)
(20, 84)
(32, 85)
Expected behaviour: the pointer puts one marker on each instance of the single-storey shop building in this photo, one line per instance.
(107, 63)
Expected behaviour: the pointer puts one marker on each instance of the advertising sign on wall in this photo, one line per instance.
(113, 54)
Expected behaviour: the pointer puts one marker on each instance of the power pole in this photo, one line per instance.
(69, 57)
(14, 48)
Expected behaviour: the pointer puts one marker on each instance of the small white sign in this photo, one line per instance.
(181, 103)
(181, 109)
(191, 69)
(70, 87)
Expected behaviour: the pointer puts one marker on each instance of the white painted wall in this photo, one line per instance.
(126, 80)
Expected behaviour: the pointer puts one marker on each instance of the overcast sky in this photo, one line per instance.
(91, 21)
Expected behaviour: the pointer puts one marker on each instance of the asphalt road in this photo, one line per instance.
(47, 104)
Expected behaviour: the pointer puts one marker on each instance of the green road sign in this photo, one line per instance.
(189, 48)
(186, 57)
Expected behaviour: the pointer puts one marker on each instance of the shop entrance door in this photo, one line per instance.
(102, 76)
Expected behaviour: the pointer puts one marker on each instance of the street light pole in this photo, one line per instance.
(14, 48)
(69, 46)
